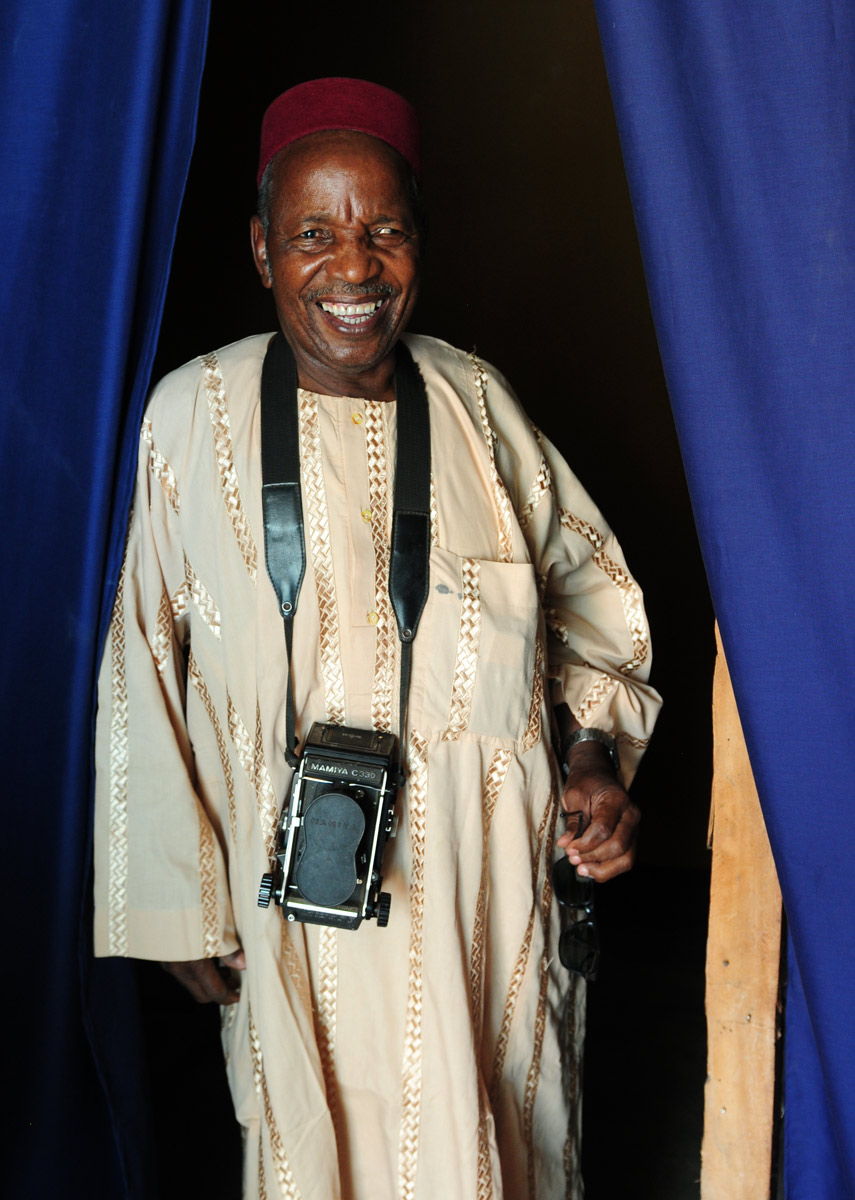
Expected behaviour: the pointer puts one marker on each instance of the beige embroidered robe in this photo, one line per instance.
(436, 1057)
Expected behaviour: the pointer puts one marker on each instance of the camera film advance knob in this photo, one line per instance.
(265, 891)
(384, 904)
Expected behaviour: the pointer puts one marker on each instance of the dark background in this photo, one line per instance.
(532, 259)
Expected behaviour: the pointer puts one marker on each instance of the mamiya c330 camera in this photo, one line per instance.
(333, 830)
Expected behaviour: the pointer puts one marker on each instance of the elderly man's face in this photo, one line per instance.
(342, 258)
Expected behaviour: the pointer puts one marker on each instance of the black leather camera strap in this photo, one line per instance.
(284, 543)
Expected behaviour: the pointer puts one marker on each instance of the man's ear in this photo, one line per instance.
(259, 250)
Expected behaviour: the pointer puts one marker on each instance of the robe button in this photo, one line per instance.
(372, 618)
(357, 418)
(366, 514)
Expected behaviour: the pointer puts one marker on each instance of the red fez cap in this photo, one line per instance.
(355, 104)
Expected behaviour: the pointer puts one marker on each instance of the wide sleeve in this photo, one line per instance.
(160, 876)
(597, 637)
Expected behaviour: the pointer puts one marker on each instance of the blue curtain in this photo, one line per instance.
(737, 119)
(98, 107)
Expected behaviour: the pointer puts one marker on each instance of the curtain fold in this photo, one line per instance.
(737, 122)
(98, 105)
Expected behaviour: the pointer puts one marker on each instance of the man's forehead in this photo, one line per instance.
(338, 150)
(329, 163)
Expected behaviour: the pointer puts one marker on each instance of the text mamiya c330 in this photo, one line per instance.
(333, 830)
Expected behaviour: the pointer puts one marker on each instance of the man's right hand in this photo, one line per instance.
(210, 979)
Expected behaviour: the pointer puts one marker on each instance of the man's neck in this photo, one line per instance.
(376, 383)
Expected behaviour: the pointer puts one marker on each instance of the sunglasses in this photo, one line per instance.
(579, 944)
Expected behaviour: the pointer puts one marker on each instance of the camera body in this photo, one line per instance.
(333, 830)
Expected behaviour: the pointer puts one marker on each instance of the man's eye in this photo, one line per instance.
(388, 235)
(312, 239)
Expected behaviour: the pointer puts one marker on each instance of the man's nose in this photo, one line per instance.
(355, 259)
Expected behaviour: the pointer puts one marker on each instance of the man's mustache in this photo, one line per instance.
(351, 289)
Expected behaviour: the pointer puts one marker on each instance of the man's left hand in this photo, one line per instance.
(210, 980)
(610, 819)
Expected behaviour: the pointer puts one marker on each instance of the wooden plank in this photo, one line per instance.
(743, 952)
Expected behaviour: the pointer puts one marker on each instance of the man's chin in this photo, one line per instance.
(354, 354)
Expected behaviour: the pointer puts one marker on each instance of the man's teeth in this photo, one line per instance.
(352, 314)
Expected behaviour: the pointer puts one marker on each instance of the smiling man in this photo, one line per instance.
(340, 247)
(434, 1056)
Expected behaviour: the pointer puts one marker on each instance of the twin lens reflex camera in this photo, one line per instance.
(333, 830)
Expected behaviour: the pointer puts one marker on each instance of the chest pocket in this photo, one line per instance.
(474, 655)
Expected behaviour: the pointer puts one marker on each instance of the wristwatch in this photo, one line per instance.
(590, 735)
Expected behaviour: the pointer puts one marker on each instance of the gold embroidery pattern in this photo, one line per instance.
(202, 599)
(484, 1182)
(288, 1189)
(542, 486)
(408, 1150)
(265, 795)
(434, 513)
(241, 740)
(160, 468)
(296, 972)
(533, 1078)
(633, 608)
(161, 643)
(518, 973)
(378, 499)
(207, 857)
(221, 426)
(602, 687)
(500, 495)
(517, 977)
(119, 754)
(225, 762)
(493, 784)
(251, 758)
(319, 538)
(584, 528)
(532, 733)
(636, 742)
(208, 877)
(628, 590)
(179, 602)
(262, 1180)
(468, 640)
(327, 989)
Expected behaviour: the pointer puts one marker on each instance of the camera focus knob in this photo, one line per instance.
(265, 891)
(384, 904)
